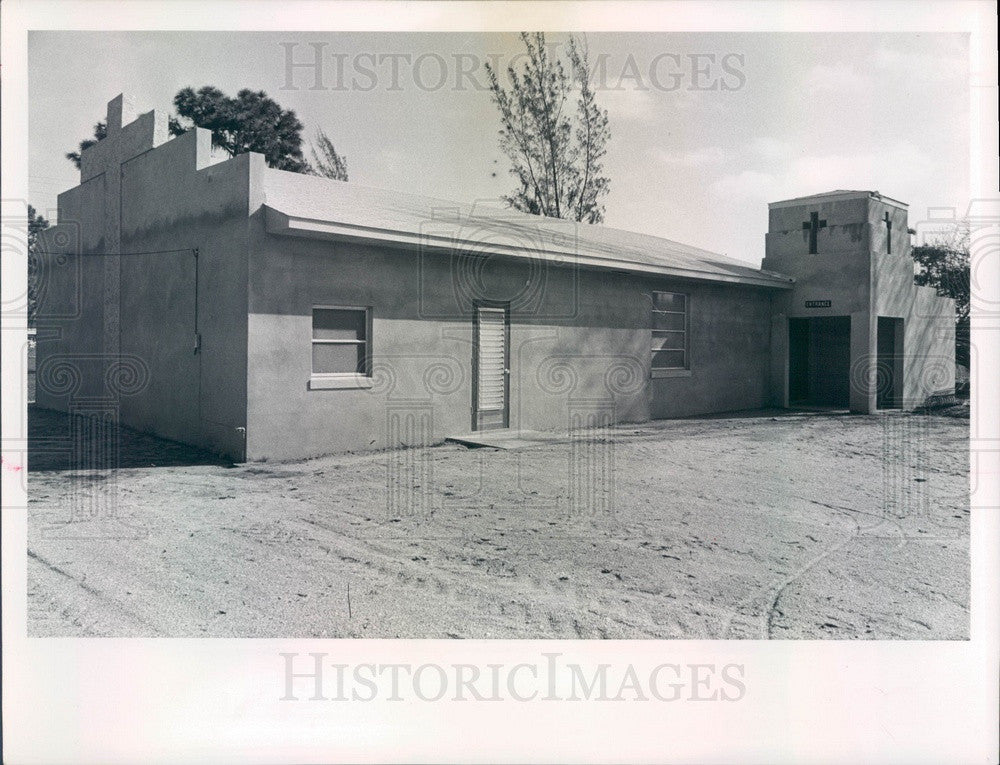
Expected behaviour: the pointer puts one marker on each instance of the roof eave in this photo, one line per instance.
(282, 224)
(834, 196)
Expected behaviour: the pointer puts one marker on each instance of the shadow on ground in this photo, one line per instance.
(61, 441)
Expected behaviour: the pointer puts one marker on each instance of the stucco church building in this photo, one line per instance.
(264, 314)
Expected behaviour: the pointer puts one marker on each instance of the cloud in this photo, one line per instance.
(836, 78)
(899, 166)
(771, 148)
(748, 185)
(923, 66)
(628, 103)
(941, 59)
(706, 155)
(639, 105)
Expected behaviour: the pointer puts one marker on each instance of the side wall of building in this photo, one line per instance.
(928, 352)
(71, 300)
(580, 344)
(124, 330)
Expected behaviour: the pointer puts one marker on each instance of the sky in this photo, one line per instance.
(706, 128)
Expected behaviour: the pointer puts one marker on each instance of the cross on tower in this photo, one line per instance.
(888, 233)
(813, 225)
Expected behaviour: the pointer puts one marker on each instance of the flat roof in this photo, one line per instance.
(320, 208)
(831, 196)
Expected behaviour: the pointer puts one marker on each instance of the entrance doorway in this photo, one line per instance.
(819, 361)
(491, 367)
(889, 367)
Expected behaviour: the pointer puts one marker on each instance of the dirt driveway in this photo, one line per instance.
(751, 525)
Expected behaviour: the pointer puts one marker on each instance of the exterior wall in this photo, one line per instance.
(167, 204)
(71, 301)
(122, 329)
(579, 339)
(730, 346)
(854, 271)
(839, 272)
(928, 353)
(215, 350)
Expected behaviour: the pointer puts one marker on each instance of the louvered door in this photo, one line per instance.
(492, 367)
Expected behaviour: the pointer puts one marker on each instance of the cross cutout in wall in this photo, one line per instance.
(888, 233)
(813, 225)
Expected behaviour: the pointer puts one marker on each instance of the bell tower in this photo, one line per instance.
(855, 332)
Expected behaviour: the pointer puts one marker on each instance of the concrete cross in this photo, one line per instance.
(888, 233)
(813, 225)
(128, 136)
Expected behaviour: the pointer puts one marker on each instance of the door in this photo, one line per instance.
(889, 367)
(819, 361)
(491, 367)
(798, 361)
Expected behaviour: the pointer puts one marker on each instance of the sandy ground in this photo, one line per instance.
(752, 525)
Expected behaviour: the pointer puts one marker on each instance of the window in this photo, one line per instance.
(340, 342)
(670, 326)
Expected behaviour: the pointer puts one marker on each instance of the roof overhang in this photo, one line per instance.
(281, 223)
(836, 196)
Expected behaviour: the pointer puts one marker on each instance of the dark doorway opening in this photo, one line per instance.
(889, 366)
(819, 361)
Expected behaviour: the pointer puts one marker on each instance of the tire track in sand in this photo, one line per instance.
(763, 605)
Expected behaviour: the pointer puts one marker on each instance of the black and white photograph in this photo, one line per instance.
(619, 333)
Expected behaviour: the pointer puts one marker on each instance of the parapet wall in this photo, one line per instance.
(145, 282)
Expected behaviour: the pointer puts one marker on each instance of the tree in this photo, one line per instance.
(327, 162)
(249, 122)
(555, 156)
(100, 133)
(943, 263)
(36, 224)
(592, 138)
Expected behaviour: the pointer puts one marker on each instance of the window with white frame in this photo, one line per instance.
(340, 341)
(670, 331)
